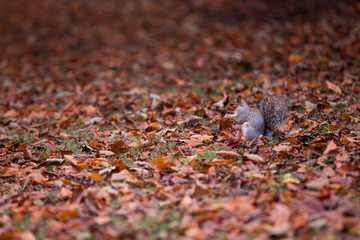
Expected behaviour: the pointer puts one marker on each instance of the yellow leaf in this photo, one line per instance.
(289, 179)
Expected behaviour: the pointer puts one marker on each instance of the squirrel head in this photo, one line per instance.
(234, 103)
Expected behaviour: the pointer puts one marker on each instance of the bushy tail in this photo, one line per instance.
(274, 109)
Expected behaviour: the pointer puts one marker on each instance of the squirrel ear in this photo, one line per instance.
(239, 98)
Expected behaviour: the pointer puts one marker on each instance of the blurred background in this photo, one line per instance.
(145, 41)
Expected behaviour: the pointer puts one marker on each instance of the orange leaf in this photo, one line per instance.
(190, 145)
(119, 147)
(67, 212)
(346, 139)
(120, 165)
(161, 163)
(94, 145)
(221, 161)
(95, 176)
(154, 126)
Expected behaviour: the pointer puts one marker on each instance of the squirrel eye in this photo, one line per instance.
(231, 104)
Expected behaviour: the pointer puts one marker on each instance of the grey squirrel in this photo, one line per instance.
(255, 121)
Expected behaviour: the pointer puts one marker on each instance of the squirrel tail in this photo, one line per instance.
(274, 109)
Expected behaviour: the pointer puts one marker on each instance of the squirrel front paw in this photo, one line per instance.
(228, 116)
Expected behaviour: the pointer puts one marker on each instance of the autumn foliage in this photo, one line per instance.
(111, 119)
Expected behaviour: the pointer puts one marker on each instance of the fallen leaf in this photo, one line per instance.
(333, 87)
(106, 153)
(254, 157)
(119, 147)
(318, 184)
(330, 147)
(161, 163)
(230, 154)
(95, 176)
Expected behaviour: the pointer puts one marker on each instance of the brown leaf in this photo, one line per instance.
(64, 193)
(125, 176)
(348, 168)
(333, 87)
(225, 123)
(228, 154)
(330, 147)
(119, 147)
(67, 212)
(318, 184)
(282, 148)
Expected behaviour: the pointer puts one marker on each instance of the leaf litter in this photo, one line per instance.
(111, 120)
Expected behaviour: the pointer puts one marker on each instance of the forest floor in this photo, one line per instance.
(107, 129)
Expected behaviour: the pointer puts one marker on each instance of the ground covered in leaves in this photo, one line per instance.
(108, 130)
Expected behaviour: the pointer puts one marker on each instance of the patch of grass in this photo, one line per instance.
(75, 147)
(167, 146)
(244, 80)
(26, 137)
(149, 185)
(157, 226)
(52, 197)
(117, 220)
(76, 127)
(278, 188)
(340, 107)
(308, 157)
(329, 160)
(219, 235)
(114, 94)
(251, 237)
(115, 205)
(42, 234)
(300, 109)
(7, 211)
(23, 223)
(207, 154)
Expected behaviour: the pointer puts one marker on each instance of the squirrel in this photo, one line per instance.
(258, 121)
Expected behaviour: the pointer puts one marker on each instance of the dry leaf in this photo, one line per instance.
(254, 157)
(95, 176)
(330, 147)
(333, 87)
(119, 147)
